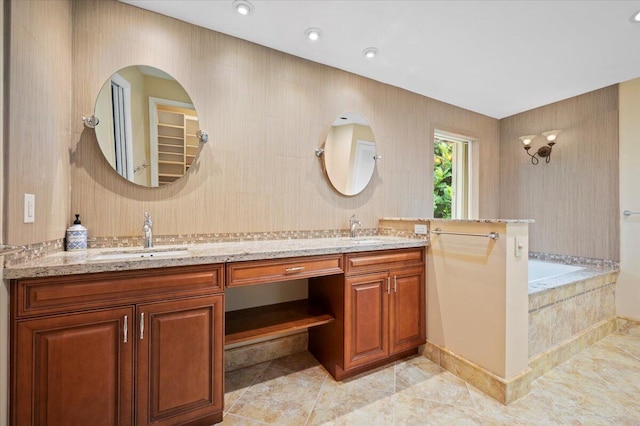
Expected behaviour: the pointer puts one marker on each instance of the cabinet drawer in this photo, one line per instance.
(383, 260)
(267, 271)
(39, 296)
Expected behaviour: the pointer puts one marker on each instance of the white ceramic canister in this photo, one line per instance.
(76, 236)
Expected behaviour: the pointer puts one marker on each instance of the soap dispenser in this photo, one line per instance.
(76, 236)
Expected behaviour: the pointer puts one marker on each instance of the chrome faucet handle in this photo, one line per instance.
(147, 229)
(352, 225)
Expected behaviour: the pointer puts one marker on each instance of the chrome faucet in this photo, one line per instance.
(352, 225)
(148, 230)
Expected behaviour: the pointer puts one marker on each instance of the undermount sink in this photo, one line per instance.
(367, 241)
(142, 255)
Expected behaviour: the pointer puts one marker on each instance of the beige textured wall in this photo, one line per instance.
(265, 112)
(628, 286)
(39, 102)
(574, 198)
(4, 288)
(37, 108)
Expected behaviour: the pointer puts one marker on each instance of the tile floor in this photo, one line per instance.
(599, 386)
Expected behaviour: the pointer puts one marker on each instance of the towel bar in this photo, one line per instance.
(493, 235)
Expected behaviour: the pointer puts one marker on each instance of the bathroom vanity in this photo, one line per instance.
(145, 345)
(379, 310)
(149, 343)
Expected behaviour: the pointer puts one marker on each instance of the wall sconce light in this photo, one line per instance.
(543, 151)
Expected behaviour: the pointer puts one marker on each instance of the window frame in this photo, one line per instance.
(469, 203)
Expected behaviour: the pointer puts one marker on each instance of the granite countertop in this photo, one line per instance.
(583, 274)
(115, 259)
(431, 219)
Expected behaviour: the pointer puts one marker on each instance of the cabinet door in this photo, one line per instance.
(74, 369)
(366, 319)
(180, 366)
(407, 316)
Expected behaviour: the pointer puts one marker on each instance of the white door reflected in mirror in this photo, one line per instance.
(350, 154)
(148, 126)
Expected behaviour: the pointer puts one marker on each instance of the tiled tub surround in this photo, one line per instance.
(569, 312)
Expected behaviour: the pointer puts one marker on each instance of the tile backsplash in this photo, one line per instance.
(575, 260)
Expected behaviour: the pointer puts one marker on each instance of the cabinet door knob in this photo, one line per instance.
(125, 329)
(142, 326)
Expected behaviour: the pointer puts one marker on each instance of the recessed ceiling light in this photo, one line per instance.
(370, 52)
(243, 7)
(636, 18)
(313, 34)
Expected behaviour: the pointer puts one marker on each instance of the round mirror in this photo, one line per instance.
(148, 126)
(350, 154)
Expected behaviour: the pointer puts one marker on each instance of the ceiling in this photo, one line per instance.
(497, 58)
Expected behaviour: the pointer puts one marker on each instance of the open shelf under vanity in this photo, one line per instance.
(253, 323)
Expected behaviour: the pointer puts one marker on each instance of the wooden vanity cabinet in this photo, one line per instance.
(407, 313)
(270, 320)
(119, 348)
(379, 310)
(73, 370)
(366, 325)
(179, 360)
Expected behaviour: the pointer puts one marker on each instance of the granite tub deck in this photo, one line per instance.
(568, 313)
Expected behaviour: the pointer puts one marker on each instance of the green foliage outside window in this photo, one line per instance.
(442, 191)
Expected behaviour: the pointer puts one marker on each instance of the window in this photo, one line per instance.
(451, 166)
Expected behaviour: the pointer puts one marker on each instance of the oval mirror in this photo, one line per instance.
(350, 154)
(148, 126)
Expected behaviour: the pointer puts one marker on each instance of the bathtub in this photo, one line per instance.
(540, 270)
(566, 302)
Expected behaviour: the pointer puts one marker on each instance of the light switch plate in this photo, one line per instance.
(420, 229)
(29, 208)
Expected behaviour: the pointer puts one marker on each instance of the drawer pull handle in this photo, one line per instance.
(142, 326)
(294, 270)
(395, 283)
(125, 329)
(388, 285)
